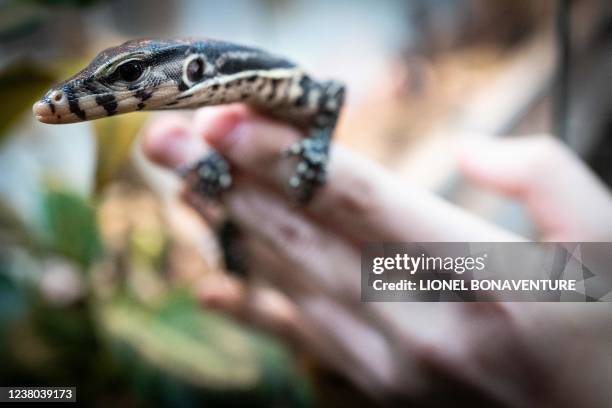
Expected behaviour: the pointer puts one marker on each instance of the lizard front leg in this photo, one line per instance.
(311, 171)
(209, 176)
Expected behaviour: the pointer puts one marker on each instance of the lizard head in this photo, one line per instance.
(137, 75)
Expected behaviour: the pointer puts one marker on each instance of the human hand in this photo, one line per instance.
(309, 257)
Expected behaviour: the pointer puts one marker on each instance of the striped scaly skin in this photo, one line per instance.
(152, 74)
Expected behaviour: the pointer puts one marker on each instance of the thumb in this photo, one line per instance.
(565, 199)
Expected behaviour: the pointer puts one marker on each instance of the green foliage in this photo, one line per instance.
(12, 228)
(72, 227)
(12, 301)
(177, 354)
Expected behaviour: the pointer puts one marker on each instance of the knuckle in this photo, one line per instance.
(355, 197)
(289, 232)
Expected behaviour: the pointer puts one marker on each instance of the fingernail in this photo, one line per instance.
(166, 147)
(223, 131)
(180, 148)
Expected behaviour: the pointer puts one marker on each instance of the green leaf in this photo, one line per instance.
(72, 227)
(179, 354)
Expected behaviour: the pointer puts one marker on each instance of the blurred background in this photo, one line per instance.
(97, 256)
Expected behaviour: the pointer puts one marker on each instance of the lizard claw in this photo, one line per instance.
(209, 176)
(310, 173)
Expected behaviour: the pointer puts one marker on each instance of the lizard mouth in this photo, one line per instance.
(44, 112)
(53, 108)
(52, 114)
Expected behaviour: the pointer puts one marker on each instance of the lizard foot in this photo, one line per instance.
(209, 176)
(310, 173)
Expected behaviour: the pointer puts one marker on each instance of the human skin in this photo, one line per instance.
(306, 275)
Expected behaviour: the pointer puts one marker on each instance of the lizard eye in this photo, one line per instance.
(130, 71)
(195, 70)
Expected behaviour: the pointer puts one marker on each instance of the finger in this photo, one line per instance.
(212, 213)
(360, 198)
(328, 331)
(271, 266)
(565, 200)
(372, 204)
(336, 327)
(257, 303)
(251, 142)
(340, 341)
(314, 254)
(258, 306)
(169, 141)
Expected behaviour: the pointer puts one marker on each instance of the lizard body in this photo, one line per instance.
(154, 74)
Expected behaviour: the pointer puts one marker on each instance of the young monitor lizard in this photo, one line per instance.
(154, 74)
